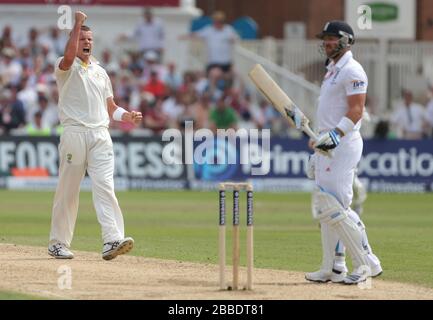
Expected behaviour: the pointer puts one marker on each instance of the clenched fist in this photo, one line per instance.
(80, 17)
(136, 117)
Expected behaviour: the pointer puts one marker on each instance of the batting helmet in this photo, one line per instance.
(339, 29)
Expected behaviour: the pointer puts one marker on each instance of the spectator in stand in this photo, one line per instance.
(12, 114)
(249, 113)
(6, 39)
(202, 112)
(55, 40)
(189, 112)
(26, 60)
(123, 85)
(47, 56)
(36, 127)
(381, 130)
(33, 42)
(10, 69)
(49, 113)
(108, 63)
(172, 78)
(222, 116)
(151, 64)
(237, 101)
(220, 39)
(266, 117)
(409, 120)
(429, 114)
(149, 34)
(155, 86)
(215, 84)
(27, 95)
(173, 107)
(188, 83)
(153, 116)
(47, 75)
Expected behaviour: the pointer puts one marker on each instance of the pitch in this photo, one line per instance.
(179, 231)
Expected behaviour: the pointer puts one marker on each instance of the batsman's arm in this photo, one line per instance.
(72, 44)
(356, 104)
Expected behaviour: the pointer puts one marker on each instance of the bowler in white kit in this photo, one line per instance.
(85, 106)
(339, 114)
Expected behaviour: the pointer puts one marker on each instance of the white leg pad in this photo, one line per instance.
(329, 240)
(328, 210)
(373, 260)
(351, 236)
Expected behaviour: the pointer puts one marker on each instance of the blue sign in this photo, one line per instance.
(385, 166)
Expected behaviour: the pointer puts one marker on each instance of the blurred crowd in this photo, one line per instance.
(409, 119)
(213, 98)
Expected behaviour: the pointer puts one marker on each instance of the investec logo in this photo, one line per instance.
(406, 163)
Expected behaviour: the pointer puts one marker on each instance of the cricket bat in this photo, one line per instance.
(279, 99)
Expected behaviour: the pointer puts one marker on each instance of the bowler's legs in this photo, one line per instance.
(72, 157)
(101, 170)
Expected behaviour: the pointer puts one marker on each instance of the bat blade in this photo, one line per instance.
(279, 99)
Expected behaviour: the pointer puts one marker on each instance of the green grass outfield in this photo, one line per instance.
(18, 296)
(183, 226)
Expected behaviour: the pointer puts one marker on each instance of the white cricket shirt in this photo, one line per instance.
(219, 43)
(83, 93)
(150, 36)
(410, 119)
(343, 79)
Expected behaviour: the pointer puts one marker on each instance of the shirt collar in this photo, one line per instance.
(342, 62)
(83, 64)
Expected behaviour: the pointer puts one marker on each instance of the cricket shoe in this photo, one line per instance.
(322, 276)
(376, 271)
(59, 251)
(361, 275)
(112, 249)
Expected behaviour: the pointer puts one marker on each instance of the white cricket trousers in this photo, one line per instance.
(82, 149)
(336, 174)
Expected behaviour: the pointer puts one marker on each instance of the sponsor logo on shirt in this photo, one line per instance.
(358, 84)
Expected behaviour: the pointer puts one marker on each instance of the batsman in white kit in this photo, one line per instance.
(339, 114)
(85, 106)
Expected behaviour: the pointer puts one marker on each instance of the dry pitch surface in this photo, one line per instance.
(30, 270)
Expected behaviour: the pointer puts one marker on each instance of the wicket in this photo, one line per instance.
(236, 187)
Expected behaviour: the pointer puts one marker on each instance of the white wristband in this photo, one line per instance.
(346, 125)
(117, 114)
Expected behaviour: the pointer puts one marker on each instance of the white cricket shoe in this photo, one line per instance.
(59, 251)
(360, 275)
(112, 249)
(376, 271)
(322, 276)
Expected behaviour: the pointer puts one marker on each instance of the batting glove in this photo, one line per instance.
(328, 140)
(311, 165)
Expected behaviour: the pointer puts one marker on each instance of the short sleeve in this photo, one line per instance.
(233, 34)
(356, 82)
(57, 70)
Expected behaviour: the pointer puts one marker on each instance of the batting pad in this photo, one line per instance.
(328, 210)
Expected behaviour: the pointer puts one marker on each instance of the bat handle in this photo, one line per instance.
(309, 132)
(313, 136)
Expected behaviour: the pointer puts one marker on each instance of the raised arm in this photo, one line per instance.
(72, 44)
